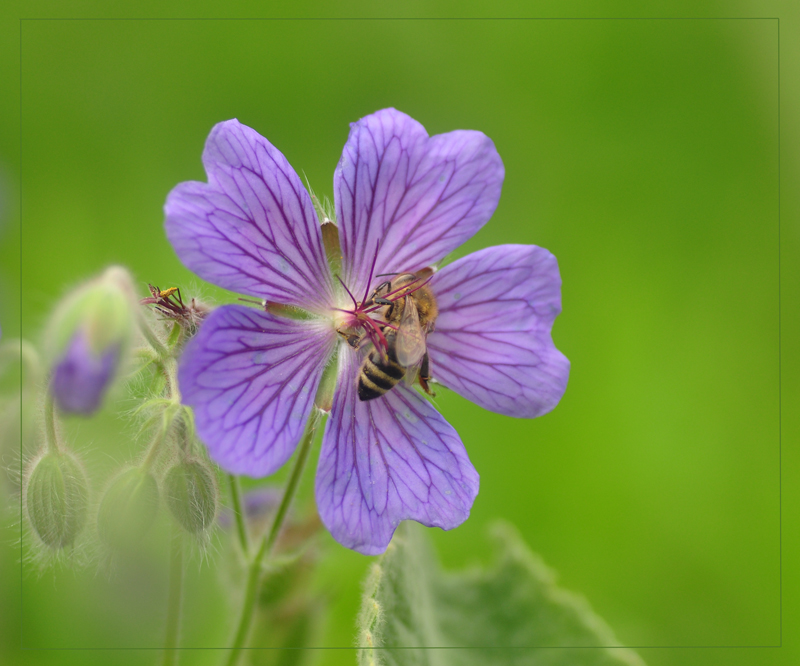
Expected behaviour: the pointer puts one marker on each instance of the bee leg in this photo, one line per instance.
(352, 339)
(424, 375)
(381, 301)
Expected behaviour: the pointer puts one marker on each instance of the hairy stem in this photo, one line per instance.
(170, 367)
(268, 542)
(155, 446)
(174, 602)
(241, 527)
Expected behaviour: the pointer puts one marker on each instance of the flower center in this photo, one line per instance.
(365, 320)
(383, 309)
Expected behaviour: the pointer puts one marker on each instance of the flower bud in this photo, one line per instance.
(128, 508)
(191, 489)
(57, 498)
(87, 337)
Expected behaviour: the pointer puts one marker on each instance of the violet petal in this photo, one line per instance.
(252, 228)
(81, 376)
(414, 197)
(492, 340)
(386, 460)
(251, 378)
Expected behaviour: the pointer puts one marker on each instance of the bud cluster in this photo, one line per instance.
(88, 341)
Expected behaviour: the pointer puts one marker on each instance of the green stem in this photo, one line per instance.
(174, 602)
(241, 527)
(268, 542)
(50, 436)
(170, 367)
(155, 446)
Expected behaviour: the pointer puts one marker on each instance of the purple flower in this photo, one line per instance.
(403, 201)
(81, 375)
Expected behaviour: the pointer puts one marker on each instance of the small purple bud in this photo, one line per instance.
(81, 376)
(87, 339)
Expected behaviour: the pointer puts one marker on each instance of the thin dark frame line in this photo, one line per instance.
(780, 363)
(435, 647)
(21, 539)
(415, 18)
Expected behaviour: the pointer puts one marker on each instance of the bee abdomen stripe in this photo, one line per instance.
(378, 377)
(391, 369)
(367, 390)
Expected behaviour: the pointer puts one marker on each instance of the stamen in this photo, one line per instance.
(379, 333)
(349, 293)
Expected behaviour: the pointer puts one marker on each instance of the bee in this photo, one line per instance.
(410, 312)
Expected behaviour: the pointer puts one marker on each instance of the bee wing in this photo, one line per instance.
(410, 341)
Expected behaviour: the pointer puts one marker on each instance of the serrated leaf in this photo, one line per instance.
(511, 612)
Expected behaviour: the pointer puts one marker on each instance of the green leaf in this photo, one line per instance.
(511, 612)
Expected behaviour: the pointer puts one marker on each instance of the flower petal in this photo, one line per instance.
(387, 460)
(414, 197)
(492, 339)
(252, 228)
(251, 378)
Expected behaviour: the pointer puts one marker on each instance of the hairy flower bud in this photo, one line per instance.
(56, 498)
(191, 490)
(87, 337)
(128, 508)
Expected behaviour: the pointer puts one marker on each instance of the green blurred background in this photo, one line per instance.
(643, 153)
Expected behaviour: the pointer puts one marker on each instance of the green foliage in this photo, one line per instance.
(511, 612)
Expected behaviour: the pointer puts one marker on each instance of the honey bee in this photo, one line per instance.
(410, 312)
